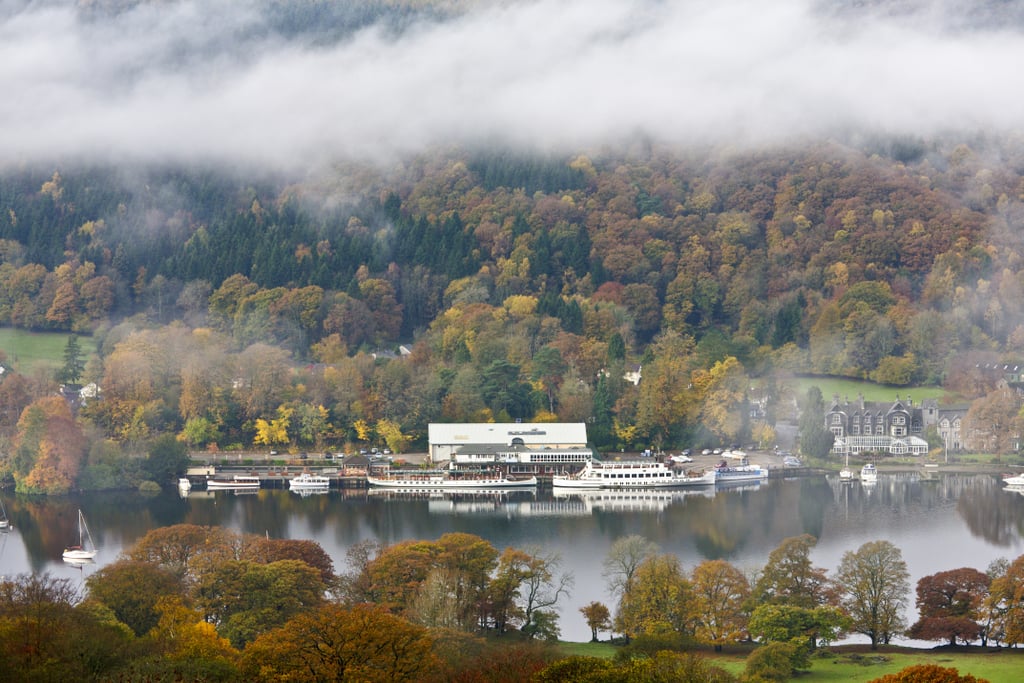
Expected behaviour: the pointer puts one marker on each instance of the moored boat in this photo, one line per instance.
(307, 481)
(184, 485)
(869, 473)
(1015, 481)
(846, 474)
(422, 480)
(631, 475)
(239, 481)
(743, 472)
(85, 549)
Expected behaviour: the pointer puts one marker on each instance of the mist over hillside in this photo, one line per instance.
(256, 84)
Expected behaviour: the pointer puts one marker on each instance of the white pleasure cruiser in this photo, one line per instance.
(428, 480)
(631, 475)
(307, 481)
(743, 472)
(237, 482)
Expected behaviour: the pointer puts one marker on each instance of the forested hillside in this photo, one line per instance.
(315, 225)
(762, 250)
(525, 285)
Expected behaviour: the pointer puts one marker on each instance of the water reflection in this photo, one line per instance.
(970, 517)
(992, 512)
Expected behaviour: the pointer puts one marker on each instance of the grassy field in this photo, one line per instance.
(851, 388)
(28, 351)
(857, 663)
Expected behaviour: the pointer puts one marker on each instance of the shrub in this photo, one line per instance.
(928, 673)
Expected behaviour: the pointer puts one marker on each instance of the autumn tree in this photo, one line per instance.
(275, 431)
(949, 605)
(49, 448)
(626, 554)
(658, 601)
(1007, 602)
(776, 661)
(525, 590)
(244, 599)
(873, 583)
(790, 578)
(186, 550)
(132, 589)
(723, 408)
(720, 592)
(598, 617)
(364, 643)
(452, 594)
(47, 634)
(264, 550)
(806, 627)
(667, 402)
(430, 581)
(168, 458)
(989, 422)
(189, 647)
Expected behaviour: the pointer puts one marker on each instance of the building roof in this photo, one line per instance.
(532, 433)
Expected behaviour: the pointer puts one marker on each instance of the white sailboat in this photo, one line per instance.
(846, 474)
(5, 524)
(86, 549)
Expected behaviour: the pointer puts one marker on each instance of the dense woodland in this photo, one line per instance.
(241, 312)
(204, 603)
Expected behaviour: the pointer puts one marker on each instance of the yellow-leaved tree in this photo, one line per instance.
(274, 432)
(391, 432)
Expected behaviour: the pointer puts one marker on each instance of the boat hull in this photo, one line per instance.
(226, 484)
(449, 484)
(740, 474)
(79, 555)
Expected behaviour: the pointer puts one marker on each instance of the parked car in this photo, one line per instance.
(706, 451)
(681, 458)
(791, 461)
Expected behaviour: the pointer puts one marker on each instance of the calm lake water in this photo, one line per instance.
(953, 521)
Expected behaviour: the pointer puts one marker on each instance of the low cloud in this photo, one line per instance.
(217, 81)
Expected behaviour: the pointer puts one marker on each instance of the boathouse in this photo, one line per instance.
(534, 448)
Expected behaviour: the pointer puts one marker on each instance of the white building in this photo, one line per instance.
(481, 443)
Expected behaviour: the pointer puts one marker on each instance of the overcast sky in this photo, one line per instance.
(176, 81)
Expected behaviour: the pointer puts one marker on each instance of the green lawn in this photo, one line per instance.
(859, 664)
(851, 388)
(27, 351)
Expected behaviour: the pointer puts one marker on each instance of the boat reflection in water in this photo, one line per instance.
(558, 503)
(636, 500)
(307, 492)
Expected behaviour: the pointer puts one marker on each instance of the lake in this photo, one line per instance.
(943, 523)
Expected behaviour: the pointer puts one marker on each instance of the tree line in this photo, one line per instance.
(205, 603)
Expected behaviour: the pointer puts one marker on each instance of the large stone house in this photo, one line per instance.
(895, 427)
